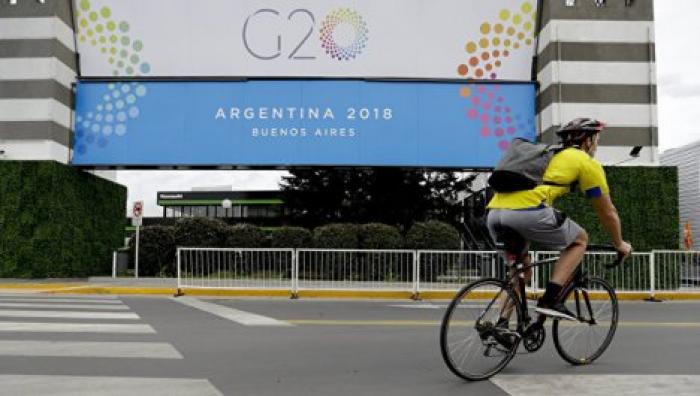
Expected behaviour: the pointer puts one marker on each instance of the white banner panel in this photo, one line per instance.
(476, 39)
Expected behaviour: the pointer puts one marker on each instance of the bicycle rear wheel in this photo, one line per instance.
(595, 304)
(472, 345)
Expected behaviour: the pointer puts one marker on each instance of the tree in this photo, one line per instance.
(387, 195)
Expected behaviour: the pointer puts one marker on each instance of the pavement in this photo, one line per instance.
(156, 345)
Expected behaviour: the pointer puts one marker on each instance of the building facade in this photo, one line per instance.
(596, 58)
(38, 65)
(687, 159)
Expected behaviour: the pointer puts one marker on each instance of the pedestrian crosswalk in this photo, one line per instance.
(82, 328)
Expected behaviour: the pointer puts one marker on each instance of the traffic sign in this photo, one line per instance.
(137, 209)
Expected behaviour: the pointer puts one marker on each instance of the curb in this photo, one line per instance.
(83, 288)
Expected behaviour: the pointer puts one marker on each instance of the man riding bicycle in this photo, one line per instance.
(528, 215)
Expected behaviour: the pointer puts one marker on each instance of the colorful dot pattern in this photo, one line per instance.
(338, 17)
(513, 31)
(110, 118)
(494, 114)
(99, 29)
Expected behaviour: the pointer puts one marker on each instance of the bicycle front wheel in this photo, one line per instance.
(595, 304)
(474, 345)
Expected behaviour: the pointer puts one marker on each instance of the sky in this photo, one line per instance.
(678, 63)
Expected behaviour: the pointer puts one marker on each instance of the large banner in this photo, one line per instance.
(477, 39)
(270, 123)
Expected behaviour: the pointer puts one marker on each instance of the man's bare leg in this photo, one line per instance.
(569, 259)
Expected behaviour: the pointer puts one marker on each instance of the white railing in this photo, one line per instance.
(235, 268)
(633, 276)
(450, 270)
(414, 271)
(355, 269)
(676, 270)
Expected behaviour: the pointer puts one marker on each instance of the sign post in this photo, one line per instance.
(137, 217)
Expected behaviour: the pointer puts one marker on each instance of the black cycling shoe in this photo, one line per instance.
(555, 310)
(503, 335)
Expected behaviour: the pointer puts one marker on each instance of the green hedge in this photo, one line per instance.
(290, 237)
(57, 221)
(200, 232)
(156, 251)
(380, 236)
(245, 236)
(336, 236)
(433, 235)
(647, 201)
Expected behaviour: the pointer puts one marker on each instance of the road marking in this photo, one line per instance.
(437, 306)
(419, 306)
(619, 385)
(140, 350)
(76, 327)
(96, 302)
(343, 322)
(67, 314)
(68, 385)
(242, 317)
(105, 307)
(26, 296)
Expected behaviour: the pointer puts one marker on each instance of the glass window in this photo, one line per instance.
(238, 211)
(169, 212)
(199, 211)
(211, 211)
(220, 211)
(187, 211)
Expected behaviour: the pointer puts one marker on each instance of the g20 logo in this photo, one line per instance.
(343, 34)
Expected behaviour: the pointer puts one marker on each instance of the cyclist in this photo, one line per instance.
(529, 216)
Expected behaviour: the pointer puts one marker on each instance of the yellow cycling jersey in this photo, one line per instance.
(569, 166)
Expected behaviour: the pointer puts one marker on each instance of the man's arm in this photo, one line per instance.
(607, 213)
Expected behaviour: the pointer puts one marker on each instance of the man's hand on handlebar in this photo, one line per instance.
(624, 248)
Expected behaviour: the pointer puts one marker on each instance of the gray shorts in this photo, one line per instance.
(547, 227)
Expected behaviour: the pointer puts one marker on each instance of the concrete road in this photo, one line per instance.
(95, 345)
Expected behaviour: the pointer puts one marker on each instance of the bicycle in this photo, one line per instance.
(494, 343)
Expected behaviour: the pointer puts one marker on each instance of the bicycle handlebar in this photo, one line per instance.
(609, 248)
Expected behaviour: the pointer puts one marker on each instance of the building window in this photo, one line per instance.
(187, 211)
(199, 211)
(220, 211)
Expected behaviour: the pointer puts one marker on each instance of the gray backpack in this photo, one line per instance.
(522, 166)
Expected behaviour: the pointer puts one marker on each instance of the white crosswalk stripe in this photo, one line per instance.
(65, 385)
(36, 319)
(110, 307)
(8, 313)
(53, 327)
(97, 302)
(613, 384)
(143, 350)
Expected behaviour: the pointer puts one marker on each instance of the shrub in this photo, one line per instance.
(245, 236)
(200, 232)
(379, 236)
(156, 251)
(290, 237)
(336, 236)
(432, 235)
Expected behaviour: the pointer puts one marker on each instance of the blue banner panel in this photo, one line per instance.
(270, 123)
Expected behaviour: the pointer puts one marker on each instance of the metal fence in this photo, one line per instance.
(235, 268)
(355, 269)
(413, 270)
